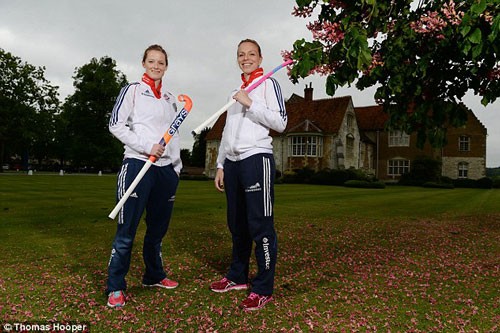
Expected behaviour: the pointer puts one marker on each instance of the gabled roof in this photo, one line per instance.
(324, 114)
(295, 99)
(371, 118)
(306, 126)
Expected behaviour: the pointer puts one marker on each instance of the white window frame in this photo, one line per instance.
(296, 146)
(397, 167)
(463, 170)
(399, 139)
(464, 143)
(305, 145)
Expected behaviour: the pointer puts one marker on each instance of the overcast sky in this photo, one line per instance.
(200, 37)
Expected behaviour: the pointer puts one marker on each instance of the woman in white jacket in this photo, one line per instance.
(142, 113)
(245, 172)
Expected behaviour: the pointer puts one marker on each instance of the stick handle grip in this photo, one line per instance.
(130, 189)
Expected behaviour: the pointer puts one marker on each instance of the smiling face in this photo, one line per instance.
(249, 57)
(155, 64)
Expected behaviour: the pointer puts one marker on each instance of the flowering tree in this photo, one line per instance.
(423, 56)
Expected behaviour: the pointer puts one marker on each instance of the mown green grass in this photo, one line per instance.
(401, 259)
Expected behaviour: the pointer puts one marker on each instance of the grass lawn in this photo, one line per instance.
(399, 259)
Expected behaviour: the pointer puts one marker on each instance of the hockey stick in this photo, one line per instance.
(164, 141)
(216, 115)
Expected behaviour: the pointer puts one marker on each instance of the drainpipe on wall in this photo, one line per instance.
(442, 155)
(282, 155)
(359, 154)
(377, 158)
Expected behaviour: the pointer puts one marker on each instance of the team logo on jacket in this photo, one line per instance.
(147, 93)
(254, 188)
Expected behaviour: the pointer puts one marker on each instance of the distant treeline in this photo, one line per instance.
(492, 172)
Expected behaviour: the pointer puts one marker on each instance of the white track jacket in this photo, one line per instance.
(139, 120)
(246, 132)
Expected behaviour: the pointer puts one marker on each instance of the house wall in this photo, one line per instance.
(351, 155)
(476, 167)
(475, 130)
(211, 153)
(329, 152)
(280, 149)
(366, 158)
(386, 153)
(449, 155)
(475, 157)
(369, 151)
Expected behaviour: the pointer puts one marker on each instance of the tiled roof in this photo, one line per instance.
(216, 132)
(371, 118)
(324, 114)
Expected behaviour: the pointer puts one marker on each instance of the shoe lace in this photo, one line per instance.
(253, 296)
(227, 282)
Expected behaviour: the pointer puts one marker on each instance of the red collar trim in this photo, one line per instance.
(151, 83)
(255, 74)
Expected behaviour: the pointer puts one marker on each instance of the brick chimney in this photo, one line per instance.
(308, 92)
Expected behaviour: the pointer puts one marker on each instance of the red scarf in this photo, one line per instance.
(151, 83)
(255, 74)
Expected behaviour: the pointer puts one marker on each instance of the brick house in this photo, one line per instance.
(333, 134)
